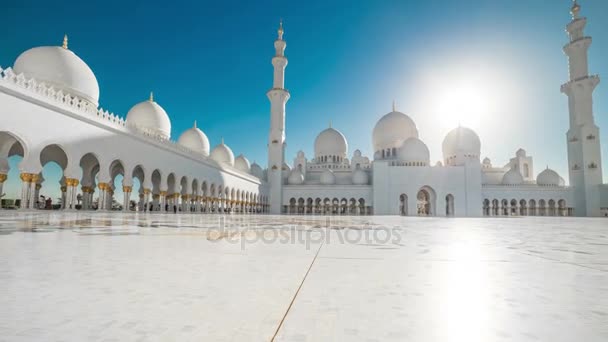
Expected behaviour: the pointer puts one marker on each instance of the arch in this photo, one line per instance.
(292, 205)
(426, 200)
(562, 209)
(12, 144)
(362, 207)
(532, 207)
(403, 205)
(513, 207)
(523, 208)
(449, 205)
(504, 210)
(486, 207)
(495, 207)
(552, 208)
(542, 207)
(89, 164)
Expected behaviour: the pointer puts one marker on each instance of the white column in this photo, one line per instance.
(126, 190)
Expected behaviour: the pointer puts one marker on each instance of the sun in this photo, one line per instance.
(461, 103)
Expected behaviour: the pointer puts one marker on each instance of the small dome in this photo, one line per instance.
(150, 117)
(328, 177)
(223, 154)
(60, 68)
(242, 164)
(520, 153)
(296, 177)
(195, 139)
(392, 130)
(461, 142)
(413, 150)
(257, 171)
(512, 177)
(549, 177)
(331, 142)
(360, 177)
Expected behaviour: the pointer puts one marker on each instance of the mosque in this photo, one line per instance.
(94, 146)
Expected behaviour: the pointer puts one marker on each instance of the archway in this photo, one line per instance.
(403, 205)
(54, 161)
(156, 199)
(425, 201)
(89, 163)
(12, 152)
(449, 205)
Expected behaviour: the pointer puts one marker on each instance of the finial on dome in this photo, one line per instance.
(394, 106)
(65, 41)
(222, 140)
(151, 96)
(576, 8)
(194, 123)
(329, 123)
(280, 31)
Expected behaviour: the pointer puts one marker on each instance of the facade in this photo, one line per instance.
(93, 147)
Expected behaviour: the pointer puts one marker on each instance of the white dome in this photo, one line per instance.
(60, 68)
(257, 171)
(150, 117)
(242, 163)
(549, 178)
(360, 177)
(223, 154)
(512, 177)
(331, 142)
(195, 140)
(328, 177)
(487, 162)
(461, 142)
(413, 150)
(392, 130)
(296, 177)
(520, 153)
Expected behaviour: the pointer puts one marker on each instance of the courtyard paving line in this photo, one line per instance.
(297, 292)
(565, 262)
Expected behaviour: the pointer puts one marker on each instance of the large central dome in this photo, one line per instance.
(331, 142)
(392, 130)
(61, 69)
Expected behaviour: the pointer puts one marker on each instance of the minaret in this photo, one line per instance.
(584, 156)
(278, 97)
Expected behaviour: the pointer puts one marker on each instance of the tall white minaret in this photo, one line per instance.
(584, 156)
(278, 97)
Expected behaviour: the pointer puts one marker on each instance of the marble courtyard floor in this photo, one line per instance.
(129, 277)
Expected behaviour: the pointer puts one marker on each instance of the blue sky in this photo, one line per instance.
(348, 60)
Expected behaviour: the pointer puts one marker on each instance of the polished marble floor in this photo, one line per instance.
(129, 277)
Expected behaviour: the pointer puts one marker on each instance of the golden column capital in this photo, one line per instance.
(64, 188)
(156, 196)
(38, 186)
(72, 182)
(163, 193)
(126, 188)
(26, 177)
(147, 191)
(103, 186)
(3, 177)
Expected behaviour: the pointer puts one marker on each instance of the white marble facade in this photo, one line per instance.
(49, 102)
